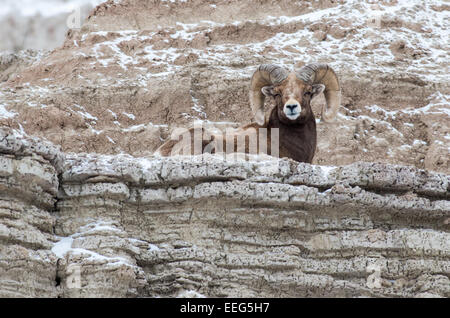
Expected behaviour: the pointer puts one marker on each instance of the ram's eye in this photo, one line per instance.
(307, 94)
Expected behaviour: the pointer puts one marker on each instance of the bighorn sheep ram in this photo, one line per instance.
(292, 114)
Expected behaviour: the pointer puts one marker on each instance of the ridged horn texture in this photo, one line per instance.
(265, 75)
(316, 73)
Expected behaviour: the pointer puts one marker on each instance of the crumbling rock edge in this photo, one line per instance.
(120, 226)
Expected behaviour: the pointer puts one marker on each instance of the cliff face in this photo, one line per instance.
(86, 209)
(201, 226)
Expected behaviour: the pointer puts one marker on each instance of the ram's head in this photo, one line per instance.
(293, 91)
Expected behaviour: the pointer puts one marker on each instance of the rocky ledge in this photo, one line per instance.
(84, 225)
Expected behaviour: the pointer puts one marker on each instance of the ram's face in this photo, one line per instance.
(293, 98)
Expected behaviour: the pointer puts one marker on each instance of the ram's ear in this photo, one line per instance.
(317, 89)
(268, 91)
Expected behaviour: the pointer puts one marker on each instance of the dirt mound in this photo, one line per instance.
(137, 69)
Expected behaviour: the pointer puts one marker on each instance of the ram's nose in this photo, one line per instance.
(292, 107)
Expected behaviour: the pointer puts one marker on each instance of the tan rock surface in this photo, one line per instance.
(86, 210)
(122, 226)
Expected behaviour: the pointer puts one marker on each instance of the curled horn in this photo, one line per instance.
(323, 74)
(265, 75)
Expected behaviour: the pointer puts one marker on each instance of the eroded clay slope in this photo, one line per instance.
(137, 69)
(121, 226)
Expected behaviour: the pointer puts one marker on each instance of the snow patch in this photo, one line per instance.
(5, 113)
(110, 140)
(152, 247)
(327, 169)
(131, 116)
(190, 294)
(62, 247)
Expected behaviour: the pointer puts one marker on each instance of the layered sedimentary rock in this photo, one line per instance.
(121, 226)
(29, 186)
(370, 217)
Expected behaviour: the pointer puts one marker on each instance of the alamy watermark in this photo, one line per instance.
(374, 279)
(230, 143)
(73, 21)
(376, 12)
(73, 279)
